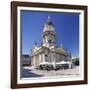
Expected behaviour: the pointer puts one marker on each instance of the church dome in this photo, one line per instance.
(49, 26)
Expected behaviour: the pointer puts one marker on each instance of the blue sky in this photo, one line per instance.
(66, 25)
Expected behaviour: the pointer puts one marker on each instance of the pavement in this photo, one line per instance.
(30, 72)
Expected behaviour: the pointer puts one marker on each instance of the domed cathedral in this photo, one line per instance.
(48, 52)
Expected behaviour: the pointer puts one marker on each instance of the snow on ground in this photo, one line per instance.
(28, 71)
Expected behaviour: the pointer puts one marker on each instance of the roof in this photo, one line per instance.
(49, 26)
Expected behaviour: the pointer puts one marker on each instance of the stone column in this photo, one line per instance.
(43, 57)
(34, 60)
(46, 40)
(54, 61)
(37, 60)
(40, 58)
(52, 57)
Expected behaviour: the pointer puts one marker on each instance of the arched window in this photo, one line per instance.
(46, 57)
(50, 41)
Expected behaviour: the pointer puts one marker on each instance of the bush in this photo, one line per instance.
(76, 61)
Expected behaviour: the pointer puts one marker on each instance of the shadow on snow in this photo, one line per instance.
(25, 73)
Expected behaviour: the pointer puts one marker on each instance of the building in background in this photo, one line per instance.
(25, 60)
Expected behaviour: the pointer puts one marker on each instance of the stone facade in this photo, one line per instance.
(48, 51)
(25, 60)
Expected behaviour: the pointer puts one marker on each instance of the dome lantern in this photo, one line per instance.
(49, 26)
